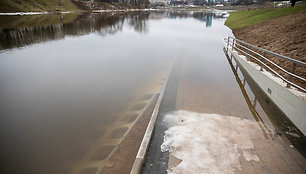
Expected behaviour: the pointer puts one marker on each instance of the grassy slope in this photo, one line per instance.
(245, 18)
(36, 5)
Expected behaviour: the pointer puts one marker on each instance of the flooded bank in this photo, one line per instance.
(77, 90)
(70, 84)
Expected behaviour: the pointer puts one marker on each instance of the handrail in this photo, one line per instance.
(282, 69)
(272, 53)
(233, 42)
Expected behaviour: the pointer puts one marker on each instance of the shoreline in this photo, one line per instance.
(104, 11)
(34, 13)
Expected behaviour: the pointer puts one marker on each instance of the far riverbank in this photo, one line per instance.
(43, 6)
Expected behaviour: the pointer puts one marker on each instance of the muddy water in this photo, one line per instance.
(68, 81)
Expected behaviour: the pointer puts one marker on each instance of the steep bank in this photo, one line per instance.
(36, 5)
(285, 35)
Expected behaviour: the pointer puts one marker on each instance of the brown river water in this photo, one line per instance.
(71, 83)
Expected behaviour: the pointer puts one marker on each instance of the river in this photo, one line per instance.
(67, 80)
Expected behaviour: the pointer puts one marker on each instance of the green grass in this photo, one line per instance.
(246, 18)
(36, 5)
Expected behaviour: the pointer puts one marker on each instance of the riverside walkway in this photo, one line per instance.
(197, 86)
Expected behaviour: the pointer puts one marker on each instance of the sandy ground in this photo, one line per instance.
(285, 35)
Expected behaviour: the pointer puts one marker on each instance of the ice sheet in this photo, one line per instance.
(208, 143)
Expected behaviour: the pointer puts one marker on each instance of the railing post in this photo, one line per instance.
(247, 57)
(261, 67)
(228, 40)
(292, 68)
(233, 44)
(254, 103)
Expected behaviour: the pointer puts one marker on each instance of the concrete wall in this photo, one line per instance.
(293, 106)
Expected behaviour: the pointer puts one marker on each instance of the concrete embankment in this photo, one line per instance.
(293, 106)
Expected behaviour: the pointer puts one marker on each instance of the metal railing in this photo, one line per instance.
(242, 47)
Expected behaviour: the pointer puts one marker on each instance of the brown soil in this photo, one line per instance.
(125, 155)
(285, 35)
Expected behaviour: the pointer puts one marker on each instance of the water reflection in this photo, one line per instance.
(272, 121)
(19, 31)
(209, 21)
(79, 25)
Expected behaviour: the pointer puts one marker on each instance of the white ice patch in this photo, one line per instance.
(208, 143)
(124, 10)
(23, 13)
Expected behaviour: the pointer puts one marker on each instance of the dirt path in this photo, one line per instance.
(285, 35)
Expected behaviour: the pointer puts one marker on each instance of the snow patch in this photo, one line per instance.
(124, 10)
(208, 143)
(23, 13)
(33, 13)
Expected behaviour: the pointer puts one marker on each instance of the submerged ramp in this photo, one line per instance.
(208, 95)
(155, 160)
(150, 159)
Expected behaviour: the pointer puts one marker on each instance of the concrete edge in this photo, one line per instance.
(293, 106)
(138, 162)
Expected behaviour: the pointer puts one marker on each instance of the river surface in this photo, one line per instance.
(66, 80)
